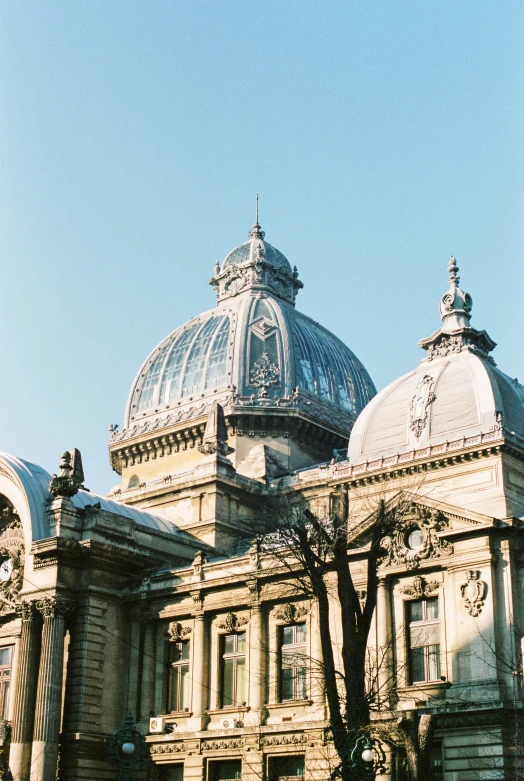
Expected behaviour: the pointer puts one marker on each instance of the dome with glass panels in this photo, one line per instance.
(253, 350)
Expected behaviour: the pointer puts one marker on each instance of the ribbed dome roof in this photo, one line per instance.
(253, 349)
(455, 393)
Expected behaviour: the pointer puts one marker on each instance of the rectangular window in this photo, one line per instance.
(171, 772)
(293, 662)
(178, 676)
(423, 640)
(233, 669)
(6, 669)
(286, 768)
(225, 770)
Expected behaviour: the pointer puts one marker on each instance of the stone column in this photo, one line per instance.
(199, 690)
(49, 693)
(25, 695)
(257, 667)
(384, 640)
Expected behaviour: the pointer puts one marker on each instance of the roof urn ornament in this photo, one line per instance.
(71, 477)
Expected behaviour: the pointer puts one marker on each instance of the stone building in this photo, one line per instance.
(155, 601)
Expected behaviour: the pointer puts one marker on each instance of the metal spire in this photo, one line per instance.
(256, 232)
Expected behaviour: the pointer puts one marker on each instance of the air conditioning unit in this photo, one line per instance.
(229, 723)
(156, 725)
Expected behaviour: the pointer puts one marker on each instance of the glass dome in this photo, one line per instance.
(252, 350)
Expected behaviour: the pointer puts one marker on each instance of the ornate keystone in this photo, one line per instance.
(232, 622)
(291, 612)
(177, 632)
(420, 587)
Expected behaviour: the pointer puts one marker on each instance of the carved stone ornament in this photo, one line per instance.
(420, 587)
(473, 592)
(51, 608)
(232, 622)
(291, 612)
(71, 477)
(263, 374)
(415, 538)
(362, 595)
(419, 406)
(11, 556)
(198, 564)
(177, 632)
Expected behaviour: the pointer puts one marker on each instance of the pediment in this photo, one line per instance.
(419, 530)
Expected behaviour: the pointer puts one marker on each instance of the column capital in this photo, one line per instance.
(24, 610)
(51, 607)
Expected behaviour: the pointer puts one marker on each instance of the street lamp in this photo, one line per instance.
(367, 757)
(128, 750)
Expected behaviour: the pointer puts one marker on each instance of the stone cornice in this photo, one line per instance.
(410, 462)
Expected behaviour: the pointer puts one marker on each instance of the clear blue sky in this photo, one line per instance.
(381, 136)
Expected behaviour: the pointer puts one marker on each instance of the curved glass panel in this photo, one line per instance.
(216, 374)
(151, 381)
(327, 368)
(194, 374)
(170, 388)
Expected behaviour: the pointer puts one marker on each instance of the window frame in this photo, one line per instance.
(412, 625)
(235, 656)
(8, 679)
(174, 668)
(291, 649)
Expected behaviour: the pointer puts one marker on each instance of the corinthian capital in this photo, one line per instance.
(50, 607)
(24, 610)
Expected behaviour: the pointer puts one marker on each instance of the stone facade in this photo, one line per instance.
(157, 600)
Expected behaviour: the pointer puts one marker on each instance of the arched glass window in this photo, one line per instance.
(170, 388)
(151, 381)
(194, 375)
(216, 375)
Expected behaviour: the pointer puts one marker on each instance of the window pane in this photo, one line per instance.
(432, 609)
(300, 683)
(416, 660)
(241, 681)
(229, 644)
(433, 663)
(5, 655)
(184, 687)
(241, 642)
(425, 634)
(184, 651)
(287, 635)
(415, 611)
(300, 633)
(286, 683)
(227, 682)
(226, 770)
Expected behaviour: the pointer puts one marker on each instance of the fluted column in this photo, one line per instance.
(384, 640)
(257, 666)
(49, 692)
(199, 690)
(25, 694)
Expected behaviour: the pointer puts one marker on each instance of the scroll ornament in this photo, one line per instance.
(290, 612)
(177, 632)
(232, 622)
(420, 587)
(473, 593)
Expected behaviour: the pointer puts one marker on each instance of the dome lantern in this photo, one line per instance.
(256, 265)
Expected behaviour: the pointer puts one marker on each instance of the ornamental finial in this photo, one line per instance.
(455, 305)
(256, 232)
(452, 270)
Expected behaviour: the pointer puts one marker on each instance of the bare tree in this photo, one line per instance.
(315, 549)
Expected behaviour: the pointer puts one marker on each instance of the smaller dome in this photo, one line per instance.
(456, 392)
(257, 247)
